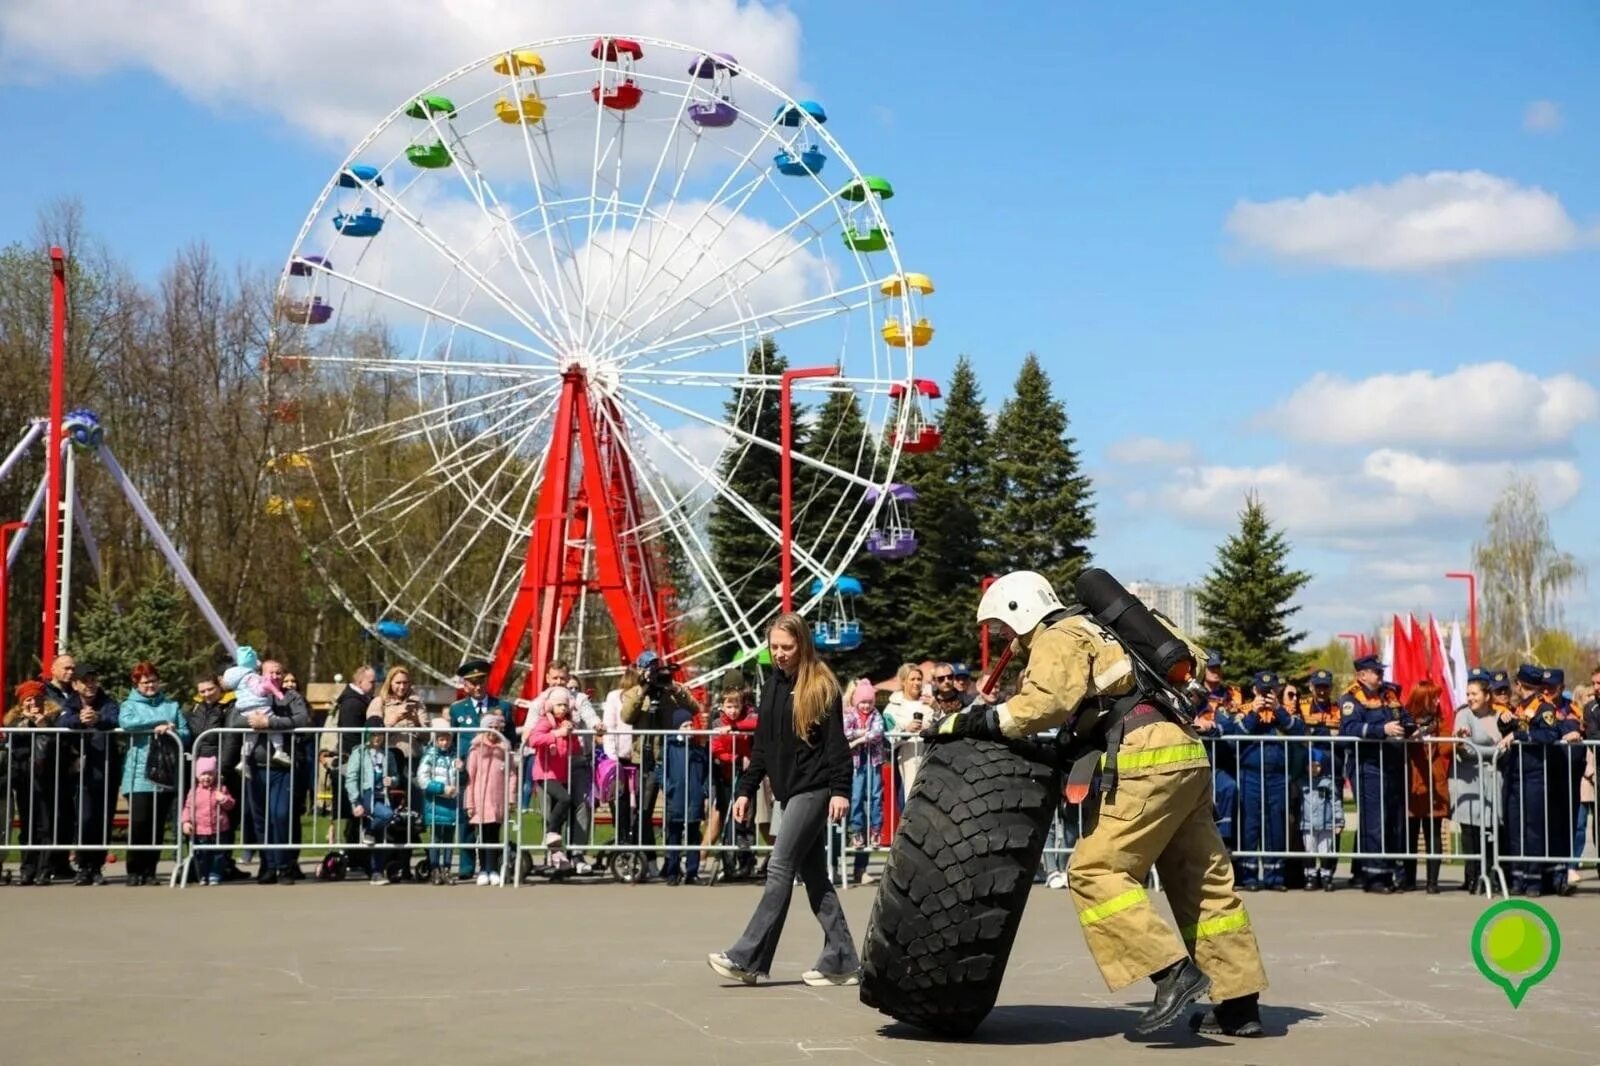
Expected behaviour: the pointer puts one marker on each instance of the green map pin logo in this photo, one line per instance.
(1516, 945)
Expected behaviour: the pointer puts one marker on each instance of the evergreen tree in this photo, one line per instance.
(1041, 516)
(833, 511)
(942, 579)
(1244, 600)
(156, 627)
(745, 555)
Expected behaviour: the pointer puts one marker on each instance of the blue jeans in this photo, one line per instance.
(1580, 832)
(439, 857)
(266, 802)
(866, 799)
(686, 861)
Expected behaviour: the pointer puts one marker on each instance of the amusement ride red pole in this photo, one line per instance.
(786, 476)
(52, 503)
(6, 529)
(1472, 610)
(983, 630)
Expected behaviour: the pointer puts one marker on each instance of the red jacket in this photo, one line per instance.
(728, 748)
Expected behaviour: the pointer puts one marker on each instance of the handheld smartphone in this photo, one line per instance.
(916, 716)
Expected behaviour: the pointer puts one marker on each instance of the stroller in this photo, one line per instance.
(617, 783)
(404, 830)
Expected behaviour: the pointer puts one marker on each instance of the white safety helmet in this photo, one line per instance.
(1020, 600)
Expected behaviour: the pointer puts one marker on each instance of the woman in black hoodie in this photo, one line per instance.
(800, 747)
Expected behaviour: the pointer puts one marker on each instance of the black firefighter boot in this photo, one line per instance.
(1240, 1016)
(1176, 987)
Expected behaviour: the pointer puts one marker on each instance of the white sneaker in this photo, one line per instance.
(818, 979)
(367, 840)
(1056, 880)
(494, 879)
(378, 879)
(483, 878)
(726, 968)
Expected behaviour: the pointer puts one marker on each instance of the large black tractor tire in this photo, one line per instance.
(958, 877)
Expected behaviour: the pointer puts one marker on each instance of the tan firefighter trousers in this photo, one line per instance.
(1160, 814)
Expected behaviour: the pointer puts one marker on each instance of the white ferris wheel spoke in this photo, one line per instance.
(434, 312)
(721, 487)
(500, 221)
(730, 269)
(620, 264)
(556, 266)
(459, 554)
(478, 278)
(798, 457)
(801, 313)
(730, 379)
(745, 192)
(670, 514)
(457, 462)
(519, 372)
(509, 552)
(504, 398)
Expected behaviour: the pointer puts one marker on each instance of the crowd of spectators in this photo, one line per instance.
(377, 780)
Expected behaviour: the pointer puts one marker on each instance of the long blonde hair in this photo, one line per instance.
(386, 690)
(816, 689)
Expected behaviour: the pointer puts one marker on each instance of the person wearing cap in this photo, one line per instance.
(962, 675)
(1321, 718)
(466, 715)
(1563, 779)
(1264, 784)
(1220, 718)
(1527, 730)
(1370, 714)
(31, 754)
(438, 782)
(1153, 809)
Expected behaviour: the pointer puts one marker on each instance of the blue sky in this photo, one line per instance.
(1072, 177)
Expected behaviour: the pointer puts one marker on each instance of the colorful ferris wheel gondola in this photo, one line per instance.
(523, 68)
(803, 155)
(719, 69)
(893, 537)
(299, 304)
(430, 155)
(921, 434)
(910, 288)
(616, 88)
(862, 233)
(839, 629)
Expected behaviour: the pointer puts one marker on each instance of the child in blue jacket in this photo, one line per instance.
(439, 782)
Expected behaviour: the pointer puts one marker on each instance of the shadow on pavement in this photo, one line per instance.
(1036, 1024)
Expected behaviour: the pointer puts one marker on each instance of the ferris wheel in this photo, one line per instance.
(518, 352)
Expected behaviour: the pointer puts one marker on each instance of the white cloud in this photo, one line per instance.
(1392, 492)
(1150, 451)
(335, 72)
(1542, 116)
(1420, 222)
(1482, 407)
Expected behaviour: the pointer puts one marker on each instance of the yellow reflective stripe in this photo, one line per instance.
(1228, 923)
(1115, 905)
(1144, 760)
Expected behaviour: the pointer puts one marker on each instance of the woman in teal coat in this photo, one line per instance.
(147, 716)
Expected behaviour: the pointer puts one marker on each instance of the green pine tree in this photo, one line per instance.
(155, 627)
(1244, 601)
(952, 483)
(833, 510)
(1041, 517)
(745, 556)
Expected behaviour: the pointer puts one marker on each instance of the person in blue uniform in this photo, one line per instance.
(1527, 730)
(1218, 719)
(1321, 717)
(466, 713)
(1368, 715)
(1563, 776)
(1264, 783)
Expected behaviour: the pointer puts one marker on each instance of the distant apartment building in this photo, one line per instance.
(1174, 601)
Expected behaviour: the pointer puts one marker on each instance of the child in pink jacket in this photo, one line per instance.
(486, 794)
(205, 819)
(554, 749)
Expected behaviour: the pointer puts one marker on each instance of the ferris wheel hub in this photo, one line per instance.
(598, 372)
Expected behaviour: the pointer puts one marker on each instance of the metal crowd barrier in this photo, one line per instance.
(65, 813)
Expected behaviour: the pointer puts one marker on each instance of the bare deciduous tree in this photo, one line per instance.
(1522, 574)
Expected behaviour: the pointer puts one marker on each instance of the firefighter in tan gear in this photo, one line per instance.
(1157, 812)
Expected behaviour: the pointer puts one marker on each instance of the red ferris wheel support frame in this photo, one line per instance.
(589, 497)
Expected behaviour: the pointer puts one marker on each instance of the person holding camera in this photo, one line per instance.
(651, 707)
(800, 745)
